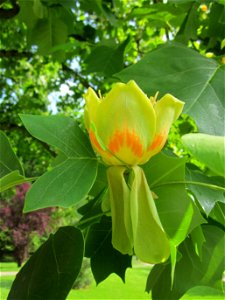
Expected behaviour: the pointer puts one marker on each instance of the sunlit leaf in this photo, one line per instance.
(65, 185)
(208, 149)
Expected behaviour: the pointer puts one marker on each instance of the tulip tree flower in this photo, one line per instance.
(126, 129)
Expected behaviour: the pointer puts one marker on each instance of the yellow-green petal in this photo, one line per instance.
(125, 123)
(92, 102)
(150, 240)
(167, 110)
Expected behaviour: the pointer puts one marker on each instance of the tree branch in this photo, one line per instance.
(76, 75)
(15, 54)
(11, 12)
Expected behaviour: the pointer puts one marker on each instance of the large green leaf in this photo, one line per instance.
(52, 270)
(208, 149)
(8, 159)
(166, 177)
(207, 190)
(72, 178)
(191, 270)
(65, 185)
(104, 258)
(61, 132)
(189, 76)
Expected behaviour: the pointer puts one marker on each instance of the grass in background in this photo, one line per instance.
(113, 287)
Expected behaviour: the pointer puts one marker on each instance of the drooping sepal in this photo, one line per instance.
(135, 220)
(122, 238)
(150, 240)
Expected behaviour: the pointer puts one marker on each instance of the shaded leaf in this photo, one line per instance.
(100, 182)
(105, 59)
(52, 270)
(198, 239)
(205, 194)
(8, 159)
(218, 214)
(190, 269)
(48, 33)
(104, 258)
(190, 25)
(189, 76)
(65, 185)
(91, 211)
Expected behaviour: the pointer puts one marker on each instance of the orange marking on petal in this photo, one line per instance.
(94, 140)
(116, 142)
(133, 142)
(137, 146)
(157, 142)
(126, 139)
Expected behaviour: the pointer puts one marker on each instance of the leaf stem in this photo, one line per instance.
(207, 185)
(92, 218)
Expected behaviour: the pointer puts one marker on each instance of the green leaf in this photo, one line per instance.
(100, 182)
(104, 258)
(92, 6)
(8, 159)
(198, 239)
(48, 33)
(107, 60)
(28, 12)
(11, 179)
(207, 194)
(52, 270)
(189, 76)
(208, 149)
(70, 181)
(166, 177)
(65, 185)
(61, 132)
(190, 269)
(91, 211)
(218, 214)
(190, 25)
